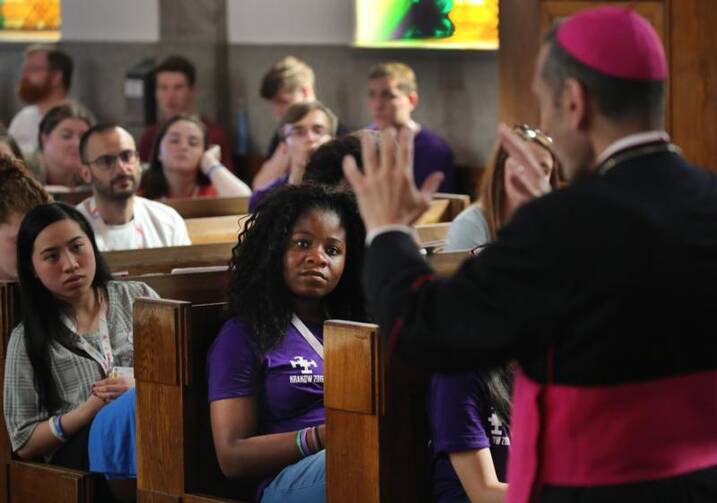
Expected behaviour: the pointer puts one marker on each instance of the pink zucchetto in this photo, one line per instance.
(614, 41)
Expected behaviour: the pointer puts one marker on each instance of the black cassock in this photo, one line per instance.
(605, 293)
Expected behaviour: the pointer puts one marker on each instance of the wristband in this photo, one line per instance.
(298, 444)
(52, 423)
(213, 167)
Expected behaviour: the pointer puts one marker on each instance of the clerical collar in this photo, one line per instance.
(628, 147)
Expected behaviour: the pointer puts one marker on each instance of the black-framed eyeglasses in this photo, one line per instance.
(109, 161)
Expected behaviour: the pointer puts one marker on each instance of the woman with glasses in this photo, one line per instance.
(303, 128)
(498, 198)
(59, 142)
(183, 164)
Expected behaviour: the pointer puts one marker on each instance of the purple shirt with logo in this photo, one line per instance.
(461, 419)
(287, 381)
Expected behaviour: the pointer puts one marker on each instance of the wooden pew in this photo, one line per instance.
(176, 460)
(18, 479)
(153, 260)
(456, 203)
(444, 208)
(432, 232)
(215, 229)
(72, 197)
(202, 207)
(376, 423)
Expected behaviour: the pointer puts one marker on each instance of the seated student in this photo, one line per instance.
(392, 97)
(469, 414)
(76, 328)
(289, 81)
(19, 193)
(498, 199)
(122, 220)
(297, 263)
(303, 128)
(175, 87)
(8, 145)
(182, 164)
(59, 139)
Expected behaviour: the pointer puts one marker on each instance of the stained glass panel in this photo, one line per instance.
(443, 24)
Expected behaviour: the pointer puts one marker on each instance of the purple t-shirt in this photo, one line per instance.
(461, 419)
(288, 381)
(431, 153)
(259, 194)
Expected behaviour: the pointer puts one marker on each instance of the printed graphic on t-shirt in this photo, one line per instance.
(307, 375)
(498, 435)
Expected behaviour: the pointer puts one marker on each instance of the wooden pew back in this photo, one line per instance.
(175, 456)
(153, 260)
(376, 422)
(202, 207)
(215, 229)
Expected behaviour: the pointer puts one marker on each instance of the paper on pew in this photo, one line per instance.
(209, 268)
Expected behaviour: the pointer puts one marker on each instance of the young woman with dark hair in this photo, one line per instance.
(76, 330)
(297, 263)
(183, 164)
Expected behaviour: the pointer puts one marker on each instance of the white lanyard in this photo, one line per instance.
(104, 356)
(306, 334)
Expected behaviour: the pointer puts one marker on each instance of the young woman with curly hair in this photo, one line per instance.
(297, 263)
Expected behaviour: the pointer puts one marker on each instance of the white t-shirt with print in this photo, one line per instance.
(154, 225)
(24, 127)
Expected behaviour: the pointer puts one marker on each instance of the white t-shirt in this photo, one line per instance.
(154, 225)
(23, 128)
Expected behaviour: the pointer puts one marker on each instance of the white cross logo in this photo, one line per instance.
(300, 361)
(496, 423)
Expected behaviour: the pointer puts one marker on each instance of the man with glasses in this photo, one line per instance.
(45, 80)
(303, 128)
(392, 98)
(121, 219)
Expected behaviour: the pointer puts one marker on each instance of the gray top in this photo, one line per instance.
(468, 230)
(74, 372)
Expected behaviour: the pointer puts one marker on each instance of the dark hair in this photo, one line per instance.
(154, 182)
(6, 137)
(498, 384)
(65, 110)
(289, 74)
(57, 60)
(616, 98)
(20, 191)
(178, 64)
(257, 290)
(100, 128)
(297, 111)
(41, 311)
(325, 164)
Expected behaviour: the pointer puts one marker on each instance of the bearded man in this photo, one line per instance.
(44, 82)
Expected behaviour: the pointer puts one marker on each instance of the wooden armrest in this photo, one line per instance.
(42, 483)
(200, 498)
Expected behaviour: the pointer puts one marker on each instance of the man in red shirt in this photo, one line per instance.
(175, 88)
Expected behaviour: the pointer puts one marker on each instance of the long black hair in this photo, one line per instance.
(257, 290)
(41, 310)
(154, 182)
